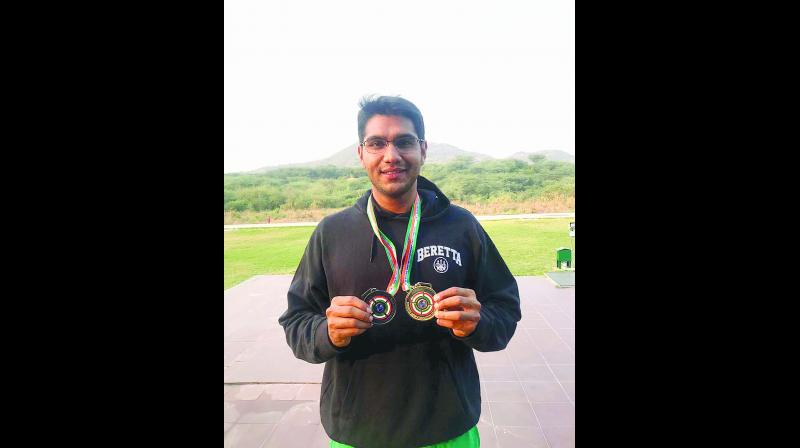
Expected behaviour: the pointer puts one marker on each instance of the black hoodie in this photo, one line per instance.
(406, 383)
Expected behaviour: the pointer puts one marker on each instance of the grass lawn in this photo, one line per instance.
(275, 250)
(527, 246)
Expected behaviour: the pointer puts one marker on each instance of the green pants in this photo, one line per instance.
(470, 439)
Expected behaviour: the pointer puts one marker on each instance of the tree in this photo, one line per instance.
(536, 158)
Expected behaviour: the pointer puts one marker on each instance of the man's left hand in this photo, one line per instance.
(457, 309)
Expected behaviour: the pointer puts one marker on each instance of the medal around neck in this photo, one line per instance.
(419, 301)
(400, 263)
(381, 304)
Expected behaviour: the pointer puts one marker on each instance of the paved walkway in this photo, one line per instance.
(272, 398)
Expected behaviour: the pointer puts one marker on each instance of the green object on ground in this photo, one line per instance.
(563, 257)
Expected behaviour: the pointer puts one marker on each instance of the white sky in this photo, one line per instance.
(492, 77)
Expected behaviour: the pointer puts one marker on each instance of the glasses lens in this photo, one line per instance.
(376, 144)
(406, 143)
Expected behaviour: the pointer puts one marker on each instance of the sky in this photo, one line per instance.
(491, 77)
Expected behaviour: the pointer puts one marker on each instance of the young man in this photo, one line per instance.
(399, 368)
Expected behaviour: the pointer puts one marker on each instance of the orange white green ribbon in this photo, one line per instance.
(401, 271)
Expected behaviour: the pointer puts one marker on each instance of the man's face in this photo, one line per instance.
(392, 173)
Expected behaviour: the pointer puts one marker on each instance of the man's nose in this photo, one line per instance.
(391, 153)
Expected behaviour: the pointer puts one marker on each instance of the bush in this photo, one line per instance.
(463, 180)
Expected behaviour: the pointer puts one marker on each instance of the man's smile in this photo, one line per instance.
(393, 173)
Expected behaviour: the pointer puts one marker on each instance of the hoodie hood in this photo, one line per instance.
(434, 202)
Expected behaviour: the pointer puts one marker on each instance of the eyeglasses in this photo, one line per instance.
(405, 144)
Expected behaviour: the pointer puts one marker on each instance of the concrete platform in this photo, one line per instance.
(272, 398)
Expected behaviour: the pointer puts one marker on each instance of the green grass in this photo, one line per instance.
(527, 246)
(275, 250)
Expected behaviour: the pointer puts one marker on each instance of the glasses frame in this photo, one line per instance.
(383, 150)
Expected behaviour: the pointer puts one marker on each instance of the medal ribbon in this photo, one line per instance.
(401, 272)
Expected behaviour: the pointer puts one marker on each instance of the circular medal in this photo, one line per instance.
(381, 304)
(419, 301)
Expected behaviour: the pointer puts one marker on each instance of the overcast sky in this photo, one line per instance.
(492, 77)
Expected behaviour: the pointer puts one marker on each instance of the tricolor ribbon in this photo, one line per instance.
(401, 272)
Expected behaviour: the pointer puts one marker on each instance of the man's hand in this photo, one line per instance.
(457, 309)
(348, 316)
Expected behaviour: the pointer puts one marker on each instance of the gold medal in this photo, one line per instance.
(419, 301)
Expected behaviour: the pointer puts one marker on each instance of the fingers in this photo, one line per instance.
(460, 328)
(348, 311)
(350, 301)
(458, 309)
(348, 316)
(341, 329)
(345, 322)
(445, 323)
(458, 302)
(473, 316)
(454, 291)
(350, 332)
(349, 307)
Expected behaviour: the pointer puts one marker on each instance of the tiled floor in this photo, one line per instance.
(272, 398)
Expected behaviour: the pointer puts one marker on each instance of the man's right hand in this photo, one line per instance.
(348, 316)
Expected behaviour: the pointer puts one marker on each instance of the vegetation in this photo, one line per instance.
(295, 193)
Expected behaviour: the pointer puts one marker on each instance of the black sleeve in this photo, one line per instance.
(497, 291)
(304, 320)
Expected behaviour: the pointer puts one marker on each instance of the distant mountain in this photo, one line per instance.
(443, 153)
(348, 157)
(344, 157)
(437, 153)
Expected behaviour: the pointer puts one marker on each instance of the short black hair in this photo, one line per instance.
(389, 105)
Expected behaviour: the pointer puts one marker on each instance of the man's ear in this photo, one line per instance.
(423, 147)
(361, 155)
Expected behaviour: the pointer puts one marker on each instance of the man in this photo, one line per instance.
(399, 374)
